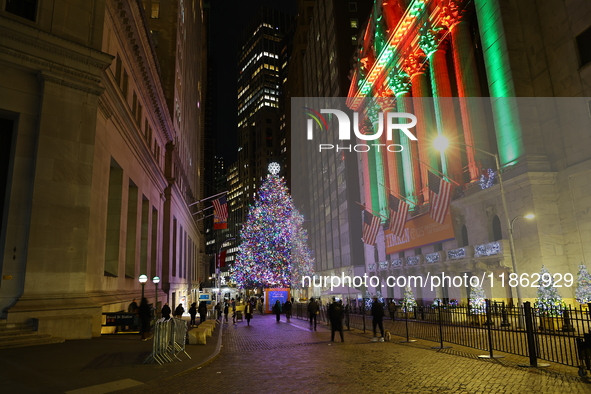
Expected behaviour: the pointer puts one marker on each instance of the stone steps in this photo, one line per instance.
(22, 334)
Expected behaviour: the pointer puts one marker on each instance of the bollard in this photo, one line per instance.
(531, 342)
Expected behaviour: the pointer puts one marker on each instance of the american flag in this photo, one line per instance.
(371, 226)
(221, 208)
(398, 211)
(439, 196)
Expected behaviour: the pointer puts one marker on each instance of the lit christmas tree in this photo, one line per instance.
(477, 300)
(583, 291)
(408, 303)
(274, 251)
(549, 302)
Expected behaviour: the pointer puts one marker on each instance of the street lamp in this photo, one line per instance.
(156, 280)
(217, 269)
(441, 143)
(143, 279)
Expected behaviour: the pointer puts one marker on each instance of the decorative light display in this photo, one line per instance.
(487, 180)
(549, 302)
(583, 291)
(477, 300)
(274, 251)
(408, 302)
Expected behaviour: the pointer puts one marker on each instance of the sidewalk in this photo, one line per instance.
(111, 362)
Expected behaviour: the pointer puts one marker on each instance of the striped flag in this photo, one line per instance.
(221, 208)
(398, 211)
(371, 226)
(439, 196)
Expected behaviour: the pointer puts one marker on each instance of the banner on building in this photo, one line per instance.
(420, 231)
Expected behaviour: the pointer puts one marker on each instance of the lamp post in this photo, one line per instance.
(441, 143)
(143, 279)
(156, 280)
(217, 269)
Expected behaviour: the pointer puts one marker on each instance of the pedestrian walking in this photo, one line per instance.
(193, 313)
(133, 308)
(166, 311)
(335, 315)
(287, 308)
(202, 311)
(392, 309)
(261, 305)
(218, 311)
(178, 312)
(226, 308)
(277, 310)
(377, 313)
(313, 311)
(145, 315)
(233, 311)
(248, 309)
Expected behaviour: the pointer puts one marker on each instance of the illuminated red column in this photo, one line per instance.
(416, 68)
(435, 49)
(472, 110)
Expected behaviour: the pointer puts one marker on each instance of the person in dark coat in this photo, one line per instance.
(287, 308)
(145, 314)
(178, 312)
(226, 310)
(166, 311)
(277, 310)
(377, 313)
(218, 311)
(313, 311)
(392, 309)
(248, 309)
(193, 313)
(335, 314)
(202, 311)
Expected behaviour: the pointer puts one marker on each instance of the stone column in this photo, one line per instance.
(411, 175)
(435, 48)
(473, 116)
(416, 68)
(376, 168)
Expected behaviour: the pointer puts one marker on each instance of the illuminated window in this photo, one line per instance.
(354, 24)
(155, 14)
(354, 39)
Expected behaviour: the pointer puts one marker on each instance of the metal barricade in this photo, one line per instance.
(170, 337)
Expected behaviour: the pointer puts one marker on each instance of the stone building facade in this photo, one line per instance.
(98, 173)
(529, 60)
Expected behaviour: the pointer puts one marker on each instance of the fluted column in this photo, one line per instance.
(416, 67)
(376, 168)
(472, 110)
(411, 175)
(435, 50)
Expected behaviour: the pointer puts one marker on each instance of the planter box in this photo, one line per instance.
(549, 323)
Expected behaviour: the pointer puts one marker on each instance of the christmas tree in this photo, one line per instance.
(273, 251)
(549, 302)
(477, 300)
(408, 301)
(583, 291)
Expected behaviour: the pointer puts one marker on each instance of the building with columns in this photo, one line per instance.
(100, 160)
(499, 79)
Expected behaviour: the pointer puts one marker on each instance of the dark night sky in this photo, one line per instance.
(228, 19)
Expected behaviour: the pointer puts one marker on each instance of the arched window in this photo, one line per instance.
(465, 241)
(496, 227)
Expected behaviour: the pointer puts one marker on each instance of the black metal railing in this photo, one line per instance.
(551, 334)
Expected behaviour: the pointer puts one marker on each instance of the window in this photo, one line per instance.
(24, 8)
(155, 14)
(354, 39)
(584, 46)
(354, 24)
(465, 241)
(496, 228)
(352, 6)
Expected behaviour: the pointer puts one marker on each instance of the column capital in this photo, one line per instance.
(430, 39)
(399, 82)
(414, 64)
(452, 13)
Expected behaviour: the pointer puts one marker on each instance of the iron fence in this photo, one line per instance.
(551, 335)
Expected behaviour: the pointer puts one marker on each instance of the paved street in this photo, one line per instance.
(271, 357)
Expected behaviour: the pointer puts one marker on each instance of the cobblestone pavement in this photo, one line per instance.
(271, 357)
